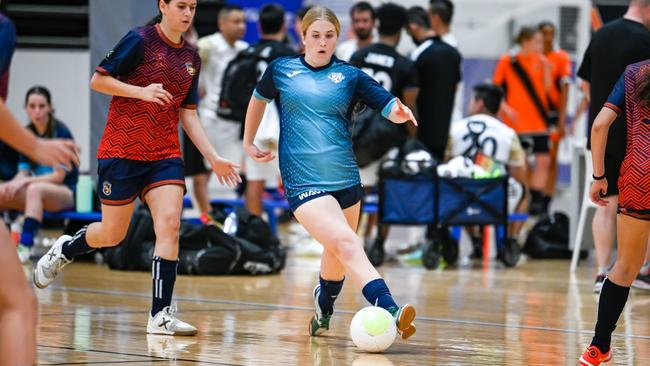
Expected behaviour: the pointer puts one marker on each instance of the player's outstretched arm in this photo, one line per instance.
(401, 113)
(225, 170)
(254, 114)
(52, 152)
(599, 131)
(107, 84)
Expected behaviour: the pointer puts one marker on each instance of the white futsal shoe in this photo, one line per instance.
(166, 323)
(49, 266)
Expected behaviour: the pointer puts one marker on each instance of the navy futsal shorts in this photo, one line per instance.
(346, 198)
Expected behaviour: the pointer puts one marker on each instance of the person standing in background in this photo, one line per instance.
(216, 51)
(363, 18)
(601, 66)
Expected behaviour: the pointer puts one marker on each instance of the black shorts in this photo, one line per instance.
(535, 143)
(612, 172)
(194, 163)
(121, 181)
(346, 198)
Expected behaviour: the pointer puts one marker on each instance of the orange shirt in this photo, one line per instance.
(528, 118)
(560, 71)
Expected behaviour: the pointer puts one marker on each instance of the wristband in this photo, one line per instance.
(598, 178)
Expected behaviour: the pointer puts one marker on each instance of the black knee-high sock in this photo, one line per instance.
(329, 291)
(163, 274)
(77, 246)
(610, 306)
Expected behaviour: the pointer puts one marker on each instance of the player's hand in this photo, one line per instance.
(11, 188)
(598, 191)
(226, 171)
(155, 93)
(404, 113)
(259, 155)
(57, 153)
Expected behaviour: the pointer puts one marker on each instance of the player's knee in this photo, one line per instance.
(346, 246)
(167, 225)
(34, 190)
(112, 236)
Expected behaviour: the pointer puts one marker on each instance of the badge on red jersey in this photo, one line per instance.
(190, 68)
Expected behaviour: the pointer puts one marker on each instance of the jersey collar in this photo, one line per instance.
(302, 59)
(169, 42)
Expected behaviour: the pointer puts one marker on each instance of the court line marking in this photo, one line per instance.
(350, 312)
(146, 358)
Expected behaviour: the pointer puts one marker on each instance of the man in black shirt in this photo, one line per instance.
(438, 67)
(394, 72)
(270, 47)
(616, 45)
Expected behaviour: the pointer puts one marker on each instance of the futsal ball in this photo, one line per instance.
(373, 329)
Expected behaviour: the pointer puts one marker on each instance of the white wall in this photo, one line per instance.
(66, 74)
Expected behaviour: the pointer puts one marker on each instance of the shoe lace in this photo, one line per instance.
(171, 309)
(58, 263)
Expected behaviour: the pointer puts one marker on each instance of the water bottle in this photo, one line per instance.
(84, 194)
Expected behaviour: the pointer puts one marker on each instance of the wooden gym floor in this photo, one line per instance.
(529, 315)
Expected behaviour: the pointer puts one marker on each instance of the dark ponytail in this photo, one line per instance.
(158, 18)
(642, 91)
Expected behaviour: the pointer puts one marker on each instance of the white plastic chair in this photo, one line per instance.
(586, 205)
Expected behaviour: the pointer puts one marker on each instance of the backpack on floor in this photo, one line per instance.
(549, 238)
(128, 254)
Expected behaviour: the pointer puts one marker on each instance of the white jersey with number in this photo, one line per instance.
(489, 136)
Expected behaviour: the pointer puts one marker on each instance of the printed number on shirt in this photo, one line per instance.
(381, 77)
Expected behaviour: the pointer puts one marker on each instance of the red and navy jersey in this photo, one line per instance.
(634, 181)
(8, 42)
(140, 130)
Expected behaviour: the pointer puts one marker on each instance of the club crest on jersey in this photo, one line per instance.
(190, 68)
(109, 54)
(106, 188)
(336, 77)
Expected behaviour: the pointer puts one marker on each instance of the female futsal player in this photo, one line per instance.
(152, 74)
(18, 315)
(317, 93)
(632, 95)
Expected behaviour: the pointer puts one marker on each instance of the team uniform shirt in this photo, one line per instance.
(215, 54)
(634, 179)
(25, 164)
(484, 133)
(140, 130)
(560, 74)
(8, 42)
(438, 67)
(529, 120)
(315, 146)
(391, 70)
(616, 45)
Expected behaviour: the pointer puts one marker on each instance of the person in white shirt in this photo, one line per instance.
(216, 51)
(363, 23)
(482, 133)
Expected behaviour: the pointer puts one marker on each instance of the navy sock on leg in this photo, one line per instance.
(77, 246)
(378, 294)
(30, 228)
(610, 306)
(329, 291)
(163, 273)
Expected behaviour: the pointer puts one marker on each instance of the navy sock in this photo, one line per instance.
(329, 291)
(77, 246)
(377, 293)
(163, 273)
(30, 228)
(610, 306)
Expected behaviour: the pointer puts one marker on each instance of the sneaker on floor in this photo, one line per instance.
(594, 357)
(49, 266)
(404, 317)
(24, 253)
(598, 285)
(319, 323)
(642, 282)
(166, 323)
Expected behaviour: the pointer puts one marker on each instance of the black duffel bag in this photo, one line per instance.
(549, 238)
(373, 135)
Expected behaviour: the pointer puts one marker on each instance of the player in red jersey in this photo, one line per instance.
(153, 76)
(631, 95)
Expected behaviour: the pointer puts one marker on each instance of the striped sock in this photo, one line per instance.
(163, 274)
(77, 245)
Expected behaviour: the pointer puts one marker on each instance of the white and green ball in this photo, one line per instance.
(373, 329)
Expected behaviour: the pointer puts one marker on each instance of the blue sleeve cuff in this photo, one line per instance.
(23, 166)
(388, 107)
(260, 97)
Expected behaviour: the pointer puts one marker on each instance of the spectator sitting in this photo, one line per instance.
(37, 187)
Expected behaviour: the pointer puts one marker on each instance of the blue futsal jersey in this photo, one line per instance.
(315, 146)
